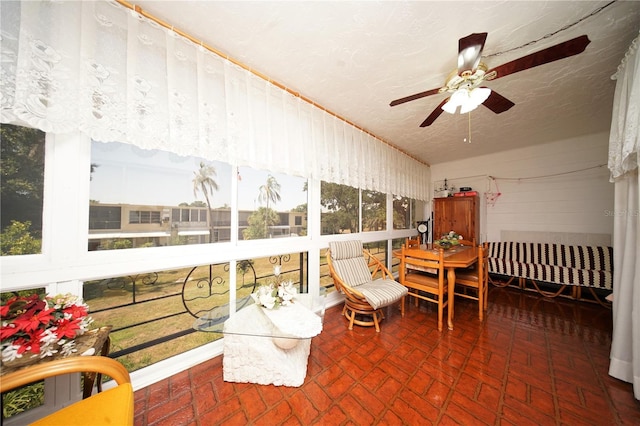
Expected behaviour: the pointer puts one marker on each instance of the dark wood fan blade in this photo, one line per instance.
(550, 54)
(414, 97)
(435, 114)
(469, 51)
(497, 103)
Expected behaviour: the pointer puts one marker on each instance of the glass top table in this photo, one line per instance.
(302, 319)
(267, 346)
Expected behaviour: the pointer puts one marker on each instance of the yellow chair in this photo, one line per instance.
(476, 279)
(111, 407)
(422, 272)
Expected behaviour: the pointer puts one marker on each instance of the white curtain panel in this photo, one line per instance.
(624, 159)
(103, 69)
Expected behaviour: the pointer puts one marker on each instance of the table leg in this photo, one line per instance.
(451, 279)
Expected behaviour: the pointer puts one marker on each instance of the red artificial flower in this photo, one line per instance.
(32, 344)
(76, 311)
(31, 321)
(67, 328)
(28, 318)
(8, 331)
(4, 309)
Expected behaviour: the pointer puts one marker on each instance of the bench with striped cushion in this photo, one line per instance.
(586, 266)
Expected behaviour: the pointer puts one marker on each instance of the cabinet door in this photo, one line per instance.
(459, 214)
(440, 217)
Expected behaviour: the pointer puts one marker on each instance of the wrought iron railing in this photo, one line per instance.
(202, 289)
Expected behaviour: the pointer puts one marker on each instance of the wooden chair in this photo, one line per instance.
(367, 285)
(476, 279)
(412, 242)
(430, 286)
(111, 407)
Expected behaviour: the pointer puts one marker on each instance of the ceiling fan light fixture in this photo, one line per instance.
(468, 107)
(450, 107)
(466, 99)
(460, 97)
(479, 95)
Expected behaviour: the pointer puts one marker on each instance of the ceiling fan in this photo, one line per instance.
(465, 83)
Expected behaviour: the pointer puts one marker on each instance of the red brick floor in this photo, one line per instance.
(533, 361)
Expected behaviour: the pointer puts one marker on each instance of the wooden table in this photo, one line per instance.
(455, 257)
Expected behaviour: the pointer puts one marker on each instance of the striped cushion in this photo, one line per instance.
(590, 266)
(349, 262)
(382, 292)
(345, 249)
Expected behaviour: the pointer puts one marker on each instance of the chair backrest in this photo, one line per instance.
(468, 243)
(412, 242)
(113, 406)
(349, 263)
(421, 260)
(78, 364)
(483, 262)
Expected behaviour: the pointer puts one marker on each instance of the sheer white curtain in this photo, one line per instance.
(624, 159)
(100, 68)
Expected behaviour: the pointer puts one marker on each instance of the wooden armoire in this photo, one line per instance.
(459, 214)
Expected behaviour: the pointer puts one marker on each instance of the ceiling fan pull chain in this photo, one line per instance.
(469, 127)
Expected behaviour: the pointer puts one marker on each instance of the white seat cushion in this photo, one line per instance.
(382, 292)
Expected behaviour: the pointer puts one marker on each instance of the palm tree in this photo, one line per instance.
(270, 191)
(203, 181)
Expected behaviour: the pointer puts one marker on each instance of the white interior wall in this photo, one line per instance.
(558, 191)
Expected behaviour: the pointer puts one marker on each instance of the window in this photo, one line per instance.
(268, 204)
(153, 314)
(145, 198)
(136, 216)
(403, 212)
(21, 189)
(340, 206)
(374, 211)
(104, 217)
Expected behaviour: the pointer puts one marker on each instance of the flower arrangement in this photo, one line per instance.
(274, 295)
(41, 326)
(449, 240)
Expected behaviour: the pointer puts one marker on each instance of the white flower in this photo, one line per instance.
(287, 291)
(68, 347)
(48, 339)
(276, 270)
(10, 353)
(264, 296)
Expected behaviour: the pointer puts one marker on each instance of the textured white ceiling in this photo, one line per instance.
(354, 57)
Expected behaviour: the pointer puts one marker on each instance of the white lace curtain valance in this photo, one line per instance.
(624, 138)
(102, 69)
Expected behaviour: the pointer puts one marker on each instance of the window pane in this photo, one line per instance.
(164, 198)
(260, 271)
(153, 314)
(403, 212)
(340, 206)
(374, 211)
(325, 277)
(396, 245)
(269, 205)
(21, 189)
(378, 249)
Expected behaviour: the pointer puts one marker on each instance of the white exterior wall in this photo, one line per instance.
(554, 192)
